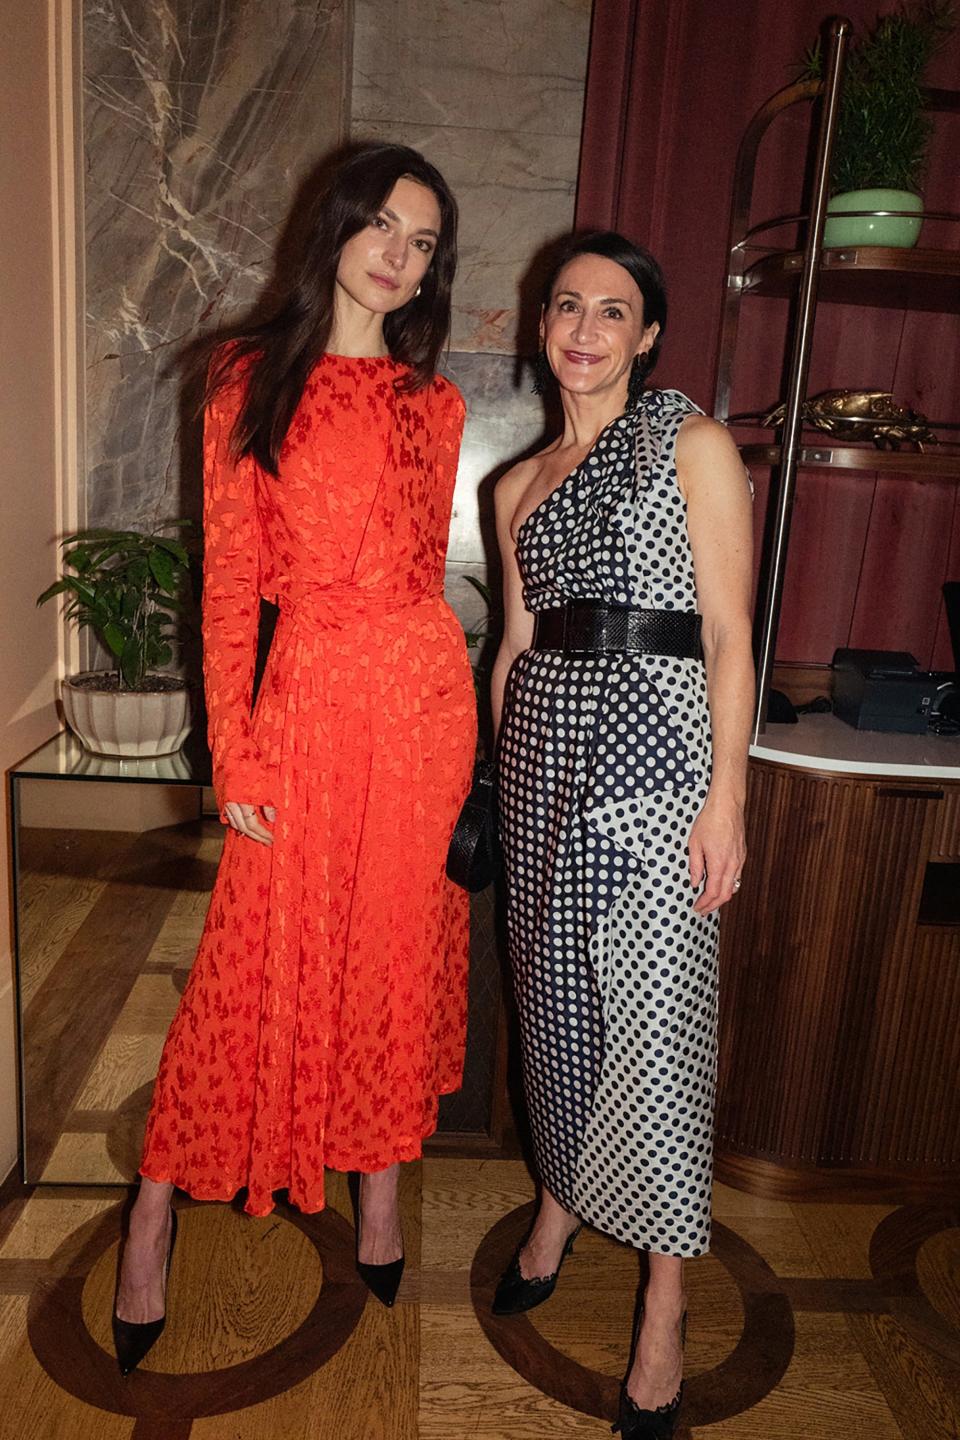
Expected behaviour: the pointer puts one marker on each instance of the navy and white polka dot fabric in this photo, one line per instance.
(604, 765)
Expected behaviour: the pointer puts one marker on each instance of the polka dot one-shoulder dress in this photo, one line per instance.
(604, 766)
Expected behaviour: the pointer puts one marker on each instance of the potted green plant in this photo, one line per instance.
(127, 588)
(883, 130)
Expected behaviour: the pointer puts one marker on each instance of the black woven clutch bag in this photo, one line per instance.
(472, 857)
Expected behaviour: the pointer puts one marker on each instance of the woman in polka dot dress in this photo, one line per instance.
(627, 561)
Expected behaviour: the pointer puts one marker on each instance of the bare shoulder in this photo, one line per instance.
(709, 463)
(702, 438)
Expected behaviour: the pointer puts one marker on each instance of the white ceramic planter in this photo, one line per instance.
(127, 722)
(848, 231)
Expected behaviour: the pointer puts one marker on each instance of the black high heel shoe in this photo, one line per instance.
(636, 1424)
(383, 1281)
(515, 1293)
(132, 1342)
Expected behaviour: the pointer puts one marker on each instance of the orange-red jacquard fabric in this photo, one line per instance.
(326, 1009)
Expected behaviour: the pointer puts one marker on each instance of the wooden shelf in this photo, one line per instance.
(939, 464)
(868, 275)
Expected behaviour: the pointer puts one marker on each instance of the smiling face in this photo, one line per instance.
(593, 327)
(381, 266)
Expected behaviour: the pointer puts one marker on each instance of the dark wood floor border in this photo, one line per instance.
(89, 1122)
(18, 1277)
(826, 1297)
(161, 1430)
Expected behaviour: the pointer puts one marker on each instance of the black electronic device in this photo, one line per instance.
(886, 690)
(951, 605)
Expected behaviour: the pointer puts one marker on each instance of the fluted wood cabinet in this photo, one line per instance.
(840, 986)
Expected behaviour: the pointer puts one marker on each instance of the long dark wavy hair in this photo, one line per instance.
(277, 354)
(642, 267)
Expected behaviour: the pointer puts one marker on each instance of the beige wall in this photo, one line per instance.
(28, 637)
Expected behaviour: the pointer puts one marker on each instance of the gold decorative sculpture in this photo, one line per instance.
(862, 415)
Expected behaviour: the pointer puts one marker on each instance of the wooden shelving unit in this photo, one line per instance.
(840, 957)
(868, 275)
(919, 279)
(933, 464)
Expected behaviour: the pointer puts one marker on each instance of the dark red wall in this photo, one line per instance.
(671, 86)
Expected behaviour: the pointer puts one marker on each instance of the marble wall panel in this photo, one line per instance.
(492, 92)
(504, 421)
(200, 120)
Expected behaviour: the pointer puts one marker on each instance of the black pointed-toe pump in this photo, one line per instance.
(660, 1424)
(132, 1342)
(515, 1293)
(383, 1281)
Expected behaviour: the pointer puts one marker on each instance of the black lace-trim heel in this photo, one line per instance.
(660, 1424)
(133, 1342)
(515, 1293)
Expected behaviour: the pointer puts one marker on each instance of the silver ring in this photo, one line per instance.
(736, 883)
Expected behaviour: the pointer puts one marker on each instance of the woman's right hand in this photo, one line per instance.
(245, 819)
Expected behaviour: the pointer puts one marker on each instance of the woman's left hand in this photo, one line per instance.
(717, 849)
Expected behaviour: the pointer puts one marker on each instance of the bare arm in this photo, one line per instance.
(719, 522)
(517, 620)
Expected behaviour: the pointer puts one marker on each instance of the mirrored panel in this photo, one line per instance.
(112, 887)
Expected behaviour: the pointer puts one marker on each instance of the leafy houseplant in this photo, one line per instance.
(883, 130)
(127, 588)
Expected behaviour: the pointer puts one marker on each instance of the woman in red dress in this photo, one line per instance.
(326, 1009)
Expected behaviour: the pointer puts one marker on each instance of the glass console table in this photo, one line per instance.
(114, 861)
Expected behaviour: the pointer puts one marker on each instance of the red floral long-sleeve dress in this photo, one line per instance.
(326, 1009)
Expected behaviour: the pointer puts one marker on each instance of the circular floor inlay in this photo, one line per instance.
(575, 1347)
(220, 1352)
(938, 1270)
(228, 1264)
(591, 1313)
(923, 1303)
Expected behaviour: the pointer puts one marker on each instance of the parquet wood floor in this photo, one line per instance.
(807, 1322)
(109, 926)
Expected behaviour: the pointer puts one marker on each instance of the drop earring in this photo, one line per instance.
(541, 373)
(638, 372)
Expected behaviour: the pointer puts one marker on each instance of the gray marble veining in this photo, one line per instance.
(200, 120)
(504, 65)
(492, 92)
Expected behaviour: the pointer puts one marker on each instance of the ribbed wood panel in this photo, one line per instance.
(840, 1014)
(932, 1104)
(946, 844)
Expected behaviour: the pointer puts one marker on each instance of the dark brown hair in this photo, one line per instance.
(277, 355)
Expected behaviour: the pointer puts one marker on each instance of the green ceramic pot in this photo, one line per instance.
(847, 231)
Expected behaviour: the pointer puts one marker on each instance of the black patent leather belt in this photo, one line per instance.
(590, 626)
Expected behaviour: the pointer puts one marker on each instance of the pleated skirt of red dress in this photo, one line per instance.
(326, 1010)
